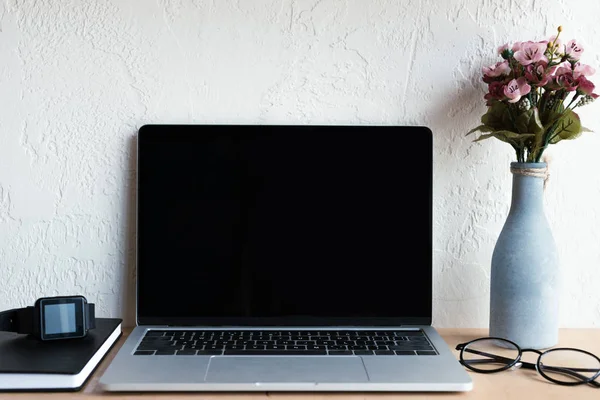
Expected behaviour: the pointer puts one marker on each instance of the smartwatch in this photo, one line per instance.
(51, 318)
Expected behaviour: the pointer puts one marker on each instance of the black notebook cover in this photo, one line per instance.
(25, 360)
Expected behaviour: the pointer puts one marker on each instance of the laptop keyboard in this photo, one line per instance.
(309, 343)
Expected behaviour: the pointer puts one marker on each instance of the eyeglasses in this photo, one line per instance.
(564, 365)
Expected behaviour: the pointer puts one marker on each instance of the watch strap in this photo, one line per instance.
(90, 315)
(19, 320)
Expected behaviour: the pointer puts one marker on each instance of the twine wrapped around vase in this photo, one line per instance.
(535, 172)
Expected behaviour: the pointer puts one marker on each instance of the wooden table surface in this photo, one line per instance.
(511, 384)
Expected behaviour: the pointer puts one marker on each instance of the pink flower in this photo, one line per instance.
(585, 86)
(580, 69)
(516, 88)
(495, 92)
(517, 46)
(531, 52)
(564, 81)
(502, 48)
(573, 50)
(564, 67)
(538, 74)
(500, 68)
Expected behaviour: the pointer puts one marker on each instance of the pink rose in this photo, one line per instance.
(585, 86)
(538, 74)
(564, 81)
(495, 92)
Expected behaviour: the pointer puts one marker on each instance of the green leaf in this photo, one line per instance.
(529, 122)
(480, 128)
(568, 127)
(514, 138)
(497, 116)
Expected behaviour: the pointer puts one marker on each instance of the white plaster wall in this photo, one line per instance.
(78, 77)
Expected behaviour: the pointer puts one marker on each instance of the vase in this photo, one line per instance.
(524, 290)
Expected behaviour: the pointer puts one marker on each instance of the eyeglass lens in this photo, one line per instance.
(569, 366)
(489, 354)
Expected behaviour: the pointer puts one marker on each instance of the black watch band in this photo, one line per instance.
(90, 316)
(22, 320)
(19, 320)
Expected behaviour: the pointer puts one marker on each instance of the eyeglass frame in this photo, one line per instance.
(527, 365)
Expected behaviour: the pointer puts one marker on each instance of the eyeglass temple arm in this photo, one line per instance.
(571, 372)
(492, 357)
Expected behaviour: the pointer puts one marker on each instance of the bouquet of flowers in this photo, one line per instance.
(532, 94)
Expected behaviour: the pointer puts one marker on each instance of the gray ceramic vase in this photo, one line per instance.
(524, 297)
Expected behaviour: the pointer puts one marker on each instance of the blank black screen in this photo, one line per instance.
(253, 224)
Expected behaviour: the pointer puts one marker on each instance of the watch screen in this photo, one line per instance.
(60, 318)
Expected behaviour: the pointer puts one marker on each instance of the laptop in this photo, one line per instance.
(284, 258)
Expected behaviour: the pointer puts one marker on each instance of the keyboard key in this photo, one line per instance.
(405, 353)
(209, 352)
(157, 338)
(426, 353)
(186, 353)
(143, 353)
(410, 347)
(384, 353)
(296, 347)
(363, 352)
(409, 333)
(154, 333)
(255, 347)
(165, 352)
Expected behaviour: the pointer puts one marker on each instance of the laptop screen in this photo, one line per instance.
(284, 225)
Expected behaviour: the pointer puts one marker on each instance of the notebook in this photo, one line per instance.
(27, 364)
(284, 258)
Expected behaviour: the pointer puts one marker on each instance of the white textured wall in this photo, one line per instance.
(78, 77)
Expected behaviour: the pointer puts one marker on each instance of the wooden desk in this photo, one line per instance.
(516, 384)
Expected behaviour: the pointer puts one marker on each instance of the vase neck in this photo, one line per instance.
(527, 191)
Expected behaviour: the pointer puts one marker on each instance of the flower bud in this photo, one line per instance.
(560, 28)
(506, 54)
(585, 100)
(524, 104)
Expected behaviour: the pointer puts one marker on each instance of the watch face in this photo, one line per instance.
(62, 317)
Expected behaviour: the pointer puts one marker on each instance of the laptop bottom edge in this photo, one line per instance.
(290, 387)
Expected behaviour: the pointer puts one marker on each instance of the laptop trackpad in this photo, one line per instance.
(286, 369)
